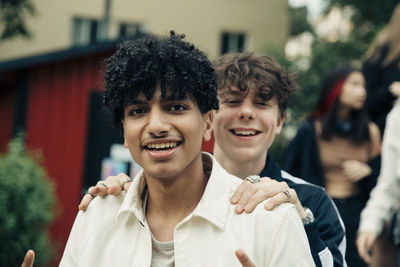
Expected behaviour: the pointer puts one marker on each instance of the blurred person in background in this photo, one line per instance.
(253, 91)
(385, 197)
(338, 148)
(381, 68)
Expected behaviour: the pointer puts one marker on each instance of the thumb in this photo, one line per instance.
(244, 259)
(29, 259)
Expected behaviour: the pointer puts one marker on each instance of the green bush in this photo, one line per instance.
(26, 206)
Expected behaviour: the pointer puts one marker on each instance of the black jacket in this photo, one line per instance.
(326, 234)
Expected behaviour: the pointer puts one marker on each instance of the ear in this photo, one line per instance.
(207, 119)
(280, 122)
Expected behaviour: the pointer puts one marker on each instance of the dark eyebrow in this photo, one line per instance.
(175, 98)
(137, 102)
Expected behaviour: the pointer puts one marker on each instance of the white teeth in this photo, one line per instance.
(162, 145)
(245, 132)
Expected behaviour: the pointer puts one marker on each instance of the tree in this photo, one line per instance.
(26, 206)
(12, 18)
(367, 21)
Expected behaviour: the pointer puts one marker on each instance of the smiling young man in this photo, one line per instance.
(253, 92)
(161, 92)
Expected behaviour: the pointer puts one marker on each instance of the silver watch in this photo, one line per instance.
(309, 217)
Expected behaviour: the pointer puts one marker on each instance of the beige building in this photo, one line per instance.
(215, 26)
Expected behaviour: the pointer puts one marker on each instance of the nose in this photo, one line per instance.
(246, 112)
(158, 125)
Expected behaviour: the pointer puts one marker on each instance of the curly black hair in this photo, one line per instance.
(139, 65)
(239, 72)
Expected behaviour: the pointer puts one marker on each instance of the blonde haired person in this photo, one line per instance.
(381, 68)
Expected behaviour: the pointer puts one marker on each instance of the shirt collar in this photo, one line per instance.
(213, 206)
(133, 201)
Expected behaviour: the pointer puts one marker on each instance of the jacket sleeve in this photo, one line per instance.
(385, 197)
(368, 183)
(326, 234)
(301, 157)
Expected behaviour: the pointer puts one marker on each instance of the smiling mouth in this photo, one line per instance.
(244, 132)
(162, 147)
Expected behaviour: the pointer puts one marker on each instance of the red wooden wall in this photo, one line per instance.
(57, 115)
(56, 123)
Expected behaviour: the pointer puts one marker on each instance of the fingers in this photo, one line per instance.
(364, 242)
(85, 202)
(124, 182)
(239, 192)
(249, 190)
(355, 170)
(394, 88)
(280, 198)
(112, 185)
(250, 195)
(29, 259)
(100, 189)
(244, 259)
(253, 194)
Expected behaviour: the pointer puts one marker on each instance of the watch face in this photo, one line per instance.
(309, 218)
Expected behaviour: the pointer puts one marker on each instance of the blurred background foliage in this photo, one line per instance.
(12, 18)
(26, 206)
(367, 19)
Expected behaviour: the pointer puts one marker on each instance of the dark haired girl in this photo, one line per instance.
(338, 148)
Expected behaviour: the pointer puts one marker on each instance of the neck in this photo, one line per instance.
(344, 113)
(238, 166)
(176, 196)
(171, 199)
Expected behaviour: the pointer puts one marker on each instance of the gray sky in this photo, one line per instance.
(314, 6)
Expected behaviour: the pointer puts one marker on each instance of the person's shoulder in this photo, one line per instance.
(393, 121)
(307, 126)
(394, 114)
(297, 182)
(269, 217)
(104, 208)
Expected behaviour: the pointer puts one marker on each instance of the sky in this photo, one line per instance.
(314, 6)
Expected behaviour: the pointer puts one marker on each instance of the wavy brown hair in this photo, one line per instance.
(246, 70)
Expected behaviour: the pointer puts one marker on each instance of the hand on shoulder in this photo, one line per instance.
(113, 185)
(247, 196)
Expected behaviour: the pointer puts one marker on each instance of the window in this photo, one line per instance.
(87, 31)
(232, 42)
(126, 29)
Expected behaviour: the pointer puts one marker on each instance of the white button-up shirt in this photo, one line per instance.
(385, 197)
(113, 231)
